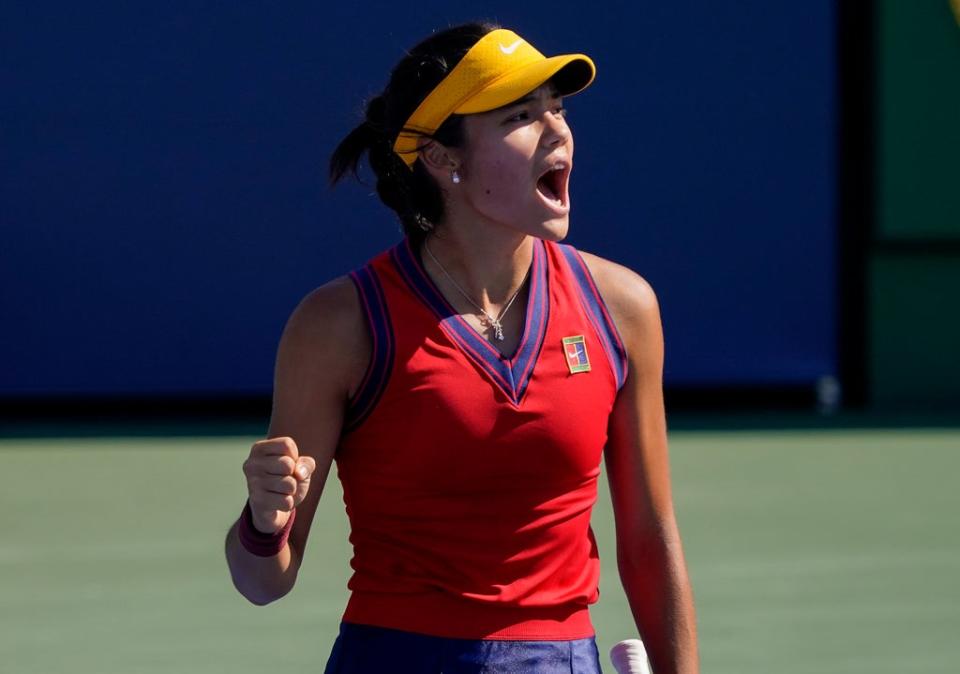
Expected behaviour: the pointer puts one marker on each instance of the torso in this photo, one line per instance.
(451, 450)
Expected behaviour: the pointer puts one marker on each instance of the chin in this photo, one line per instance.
(554, 230)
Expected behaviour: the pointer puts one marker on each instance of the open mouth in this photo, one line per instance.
(552, 186)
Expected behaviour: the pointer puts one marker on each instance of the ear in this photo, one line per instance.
(437, 157)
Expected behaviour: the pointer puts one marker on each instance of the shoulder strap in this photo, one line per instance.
(597, 313)
(382, 351)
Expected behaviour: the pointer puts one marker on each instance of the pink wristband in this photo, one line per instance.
(258, 543)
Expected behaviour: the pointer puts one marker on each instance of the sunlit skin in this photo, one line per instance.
(485, 243)
(506, 151)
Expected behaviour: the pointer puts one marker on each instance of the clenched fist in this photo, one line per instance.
(278, 479)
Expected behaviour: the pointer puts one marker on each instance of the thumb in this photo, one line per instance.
(304, 471)
(305, 467)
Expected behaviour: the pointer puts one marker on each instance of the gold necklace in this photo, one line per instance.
(494, 322)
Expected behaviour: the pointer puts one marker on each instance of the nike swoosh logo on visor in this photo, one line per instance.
(512, 48)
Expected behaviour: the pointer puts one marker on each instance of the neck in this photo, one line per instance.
(489, 263)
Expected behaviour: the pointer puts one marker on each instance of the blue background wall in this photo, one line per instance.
(162, 183)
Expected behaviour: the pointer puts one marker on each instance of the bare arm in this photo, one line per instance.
(649, 551)
(320, 362)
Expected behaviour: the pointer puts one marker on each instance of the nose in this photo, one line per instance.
(555, 130)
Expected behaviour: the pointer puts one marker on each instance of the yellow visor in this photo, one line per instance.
(500, 68)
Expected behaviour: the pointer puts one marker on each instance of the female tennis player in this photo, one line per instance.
(468, 381)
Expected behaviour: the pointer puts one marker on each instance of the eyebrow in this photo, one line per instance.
(530, 97)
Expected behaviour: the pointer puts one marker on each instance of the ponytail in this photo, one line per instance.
(348, 153)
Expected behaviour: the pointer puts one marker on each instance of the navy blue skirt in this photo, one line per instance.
(365, 649)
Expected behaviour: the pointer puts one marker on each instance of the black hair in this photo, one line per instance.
(414, 195)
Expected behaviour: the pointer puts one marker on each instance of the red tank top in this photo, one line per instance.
(469, 477)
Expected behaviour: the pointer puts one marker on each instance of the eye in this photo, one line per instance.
(562, 111)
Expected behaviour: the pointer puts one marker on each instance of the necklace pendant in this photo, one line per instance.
(497, 330)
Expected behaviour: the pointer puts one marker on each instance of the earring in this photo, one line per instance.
(455, 177)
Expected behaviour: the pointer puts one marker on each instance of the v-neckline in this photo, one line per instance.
(510, 373)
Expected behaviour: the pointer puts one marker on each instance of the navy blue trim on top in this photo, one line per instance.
(597, 312)
(510, 374)
(382, 347)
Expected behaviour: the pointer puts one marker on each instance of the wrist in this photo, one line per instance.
(257, 542)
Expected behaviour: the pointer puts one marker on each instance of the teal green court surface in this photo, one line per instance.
(828, 551)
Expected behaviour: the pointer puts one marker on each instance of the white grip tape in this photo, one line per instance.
(630, 657)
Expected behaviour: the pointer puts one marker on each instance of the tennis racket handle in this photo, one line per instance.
(630, 657)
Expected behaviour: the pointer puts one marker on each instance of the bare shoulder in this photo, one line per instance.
(629, 297)
(333, 307)
(326, 334)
